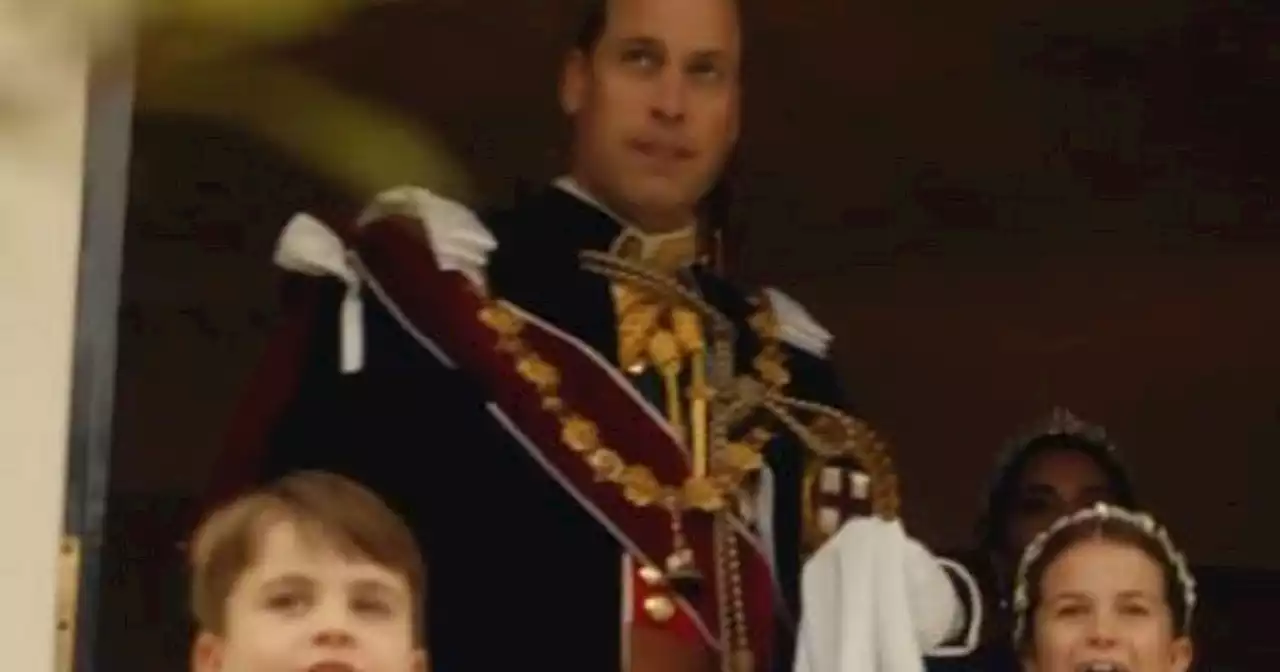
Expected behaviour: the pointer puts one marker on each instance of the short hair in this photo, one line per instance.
(595, 16)
(326, 506)
(1112, 524)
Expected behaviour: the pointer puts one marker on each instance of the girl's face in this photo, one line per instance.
(1103, 608)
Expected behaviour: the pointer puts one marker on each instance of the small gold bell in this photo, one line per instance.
(660, 608)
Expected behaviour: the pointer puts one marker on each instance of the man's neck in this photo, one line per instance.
(670, 248)
(645, 223)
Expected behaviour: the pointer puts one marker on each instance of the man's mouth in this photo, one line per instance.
(1102, 666)
(332, 666)
(663, 151)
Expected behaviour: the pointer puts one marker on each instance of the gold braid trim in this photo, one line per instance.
(835, 435)
(639, 484)
(831, 435)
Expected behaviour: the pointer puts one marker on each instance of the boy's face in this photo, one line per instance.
(304, 607)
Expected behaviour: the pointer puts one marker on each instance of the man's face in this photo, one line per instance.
(304, 607)
(656, 104)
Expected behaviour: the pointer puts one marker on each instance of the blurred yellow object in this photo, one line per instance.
(222, 59)
(175, 33)
(361, 146)
(264, 21)
(204, 57)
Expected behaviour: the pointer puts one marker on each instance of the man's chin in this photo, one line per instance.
(660, 199)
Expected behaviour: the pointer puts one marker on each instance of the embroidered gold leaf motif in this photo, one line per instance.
(772, 371)
(640, 486)
(579, 434)
(533, 369)
(741, 456)
(637, 321)
(663, 349)
(607, 464)
(703, 494)
(500, 320)
(688, 330)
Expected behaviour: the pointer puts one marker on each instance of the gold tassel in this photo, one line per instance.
(698, 413)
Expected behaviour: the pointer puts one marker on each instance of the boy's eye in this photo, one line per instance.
(371, 605)
(288, 602)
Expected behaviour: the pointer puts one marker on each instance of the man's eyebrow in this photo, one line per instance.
(640, 41)
(712, 55)
(711, 52)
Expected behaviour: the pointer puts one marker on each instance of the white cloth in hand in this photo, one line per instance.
(876, 600)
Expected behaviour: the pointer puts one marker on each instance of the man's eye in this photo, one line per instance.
(644, 58)
(706, 71)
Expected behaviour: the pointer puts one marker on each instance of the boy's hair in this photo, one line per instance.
(326, 507)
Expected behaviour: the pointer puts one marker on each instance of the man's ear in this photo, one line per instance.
(421, 661)
(735, 120)
(573, 82)
(207, 652)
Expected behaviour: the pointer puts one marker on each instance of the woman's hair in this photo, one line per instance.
(994, 524)
(1108, 523)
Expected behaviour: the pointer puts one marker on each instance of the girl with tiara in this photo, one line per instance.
(1057, 466)
(1103, 590)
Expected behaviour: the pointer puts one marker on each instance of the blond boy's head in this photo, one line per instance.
(313, 573)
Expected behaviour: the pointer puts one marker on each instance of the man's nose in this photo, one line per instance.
(670, 98)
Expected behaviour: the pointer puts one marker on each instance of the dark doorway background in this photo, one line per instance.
(996, 207)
